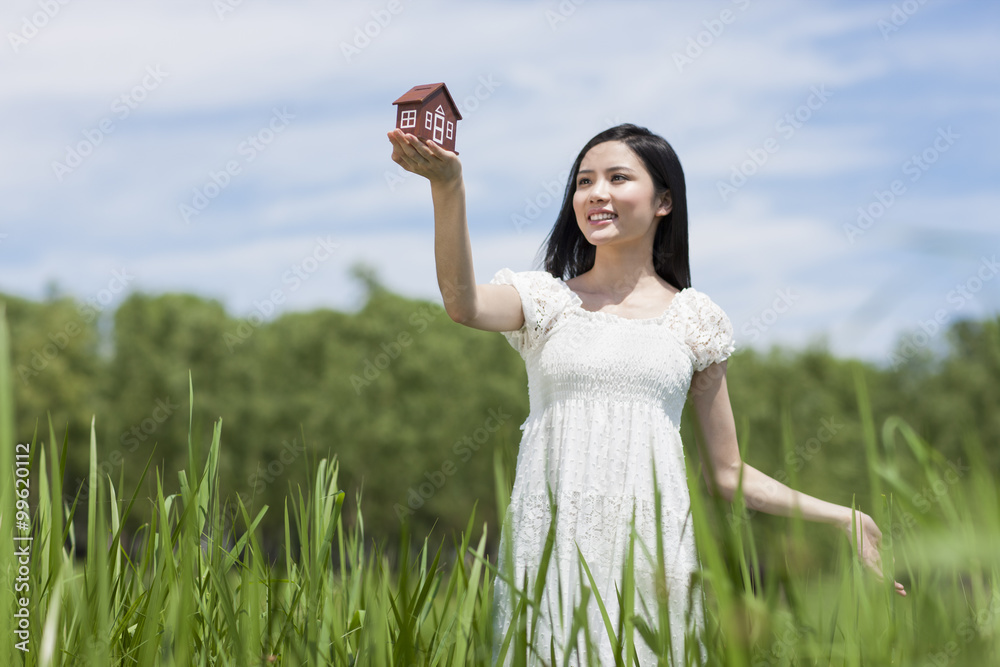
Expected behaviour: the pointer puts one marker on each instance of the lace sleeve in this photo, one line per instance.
(710, 335)
(541, 301)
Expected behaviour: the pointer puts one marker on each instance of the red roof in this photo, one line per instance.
(421, 93)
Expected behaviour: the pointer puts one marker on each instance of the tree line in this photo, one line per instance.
(416, 407)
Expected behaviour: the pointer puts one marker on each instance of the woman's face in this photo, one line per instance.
(615, 199)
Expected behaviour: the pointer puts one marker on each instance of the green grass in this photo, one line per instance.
(201, 590)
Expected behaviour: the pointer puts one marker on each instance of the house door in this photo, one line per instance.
(438, 127)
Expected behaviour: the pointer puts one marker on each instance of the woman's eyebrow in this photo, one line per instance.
(618, 168)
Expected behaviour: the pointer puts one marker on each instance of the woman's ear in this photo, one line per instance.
(666, 204)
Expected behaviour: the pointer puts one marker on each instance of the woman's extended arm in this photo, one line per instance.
(723, 467)
(452, 248)
(489, 307)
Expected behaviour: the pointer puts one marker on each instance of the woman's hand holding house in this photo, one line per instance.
(425, 158)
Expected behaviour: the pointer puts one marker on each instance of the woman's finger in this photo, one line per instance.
(400, 149)
(440, 152)
(422, 157)
(406, 146)
(422, 149)
(411, 162)
(434, 149)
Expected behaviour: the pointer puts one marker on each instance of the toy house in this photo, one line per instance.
(429, 112)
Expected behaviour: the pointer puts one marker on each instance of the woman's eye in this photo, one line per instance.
(583, 181)
(618, 176)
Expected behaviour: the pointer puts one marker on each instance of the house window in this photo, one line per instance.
(409, 119)
(451, 129)
(428, 121)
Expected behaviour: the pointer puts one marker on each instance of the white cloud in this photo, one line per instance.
(550, 90)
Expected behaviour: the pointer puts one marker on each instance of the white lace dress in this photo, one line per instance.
(605, 394)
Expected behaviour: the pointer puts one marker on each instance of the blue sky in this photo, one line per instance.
(788, 118)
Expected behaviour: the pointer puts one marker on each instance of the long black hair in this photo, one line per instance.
(568, 253)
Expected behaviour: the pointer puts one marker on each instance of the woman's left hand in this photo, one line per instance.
(868, 539)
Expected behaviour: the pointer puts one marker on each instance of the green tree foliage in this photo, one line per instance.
(956, 398)
(56, 367)
(414, 405)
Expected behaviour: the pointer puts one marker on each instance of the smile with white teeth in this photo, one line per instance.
(602, 216)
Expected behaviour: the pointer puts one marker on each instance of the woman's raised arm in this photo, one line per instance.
(487, 307)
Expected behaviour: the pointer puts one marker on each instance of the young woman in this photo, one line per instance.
(614, 337)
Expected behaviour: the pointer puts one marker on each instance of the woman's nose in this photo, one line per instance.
(599, 191)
